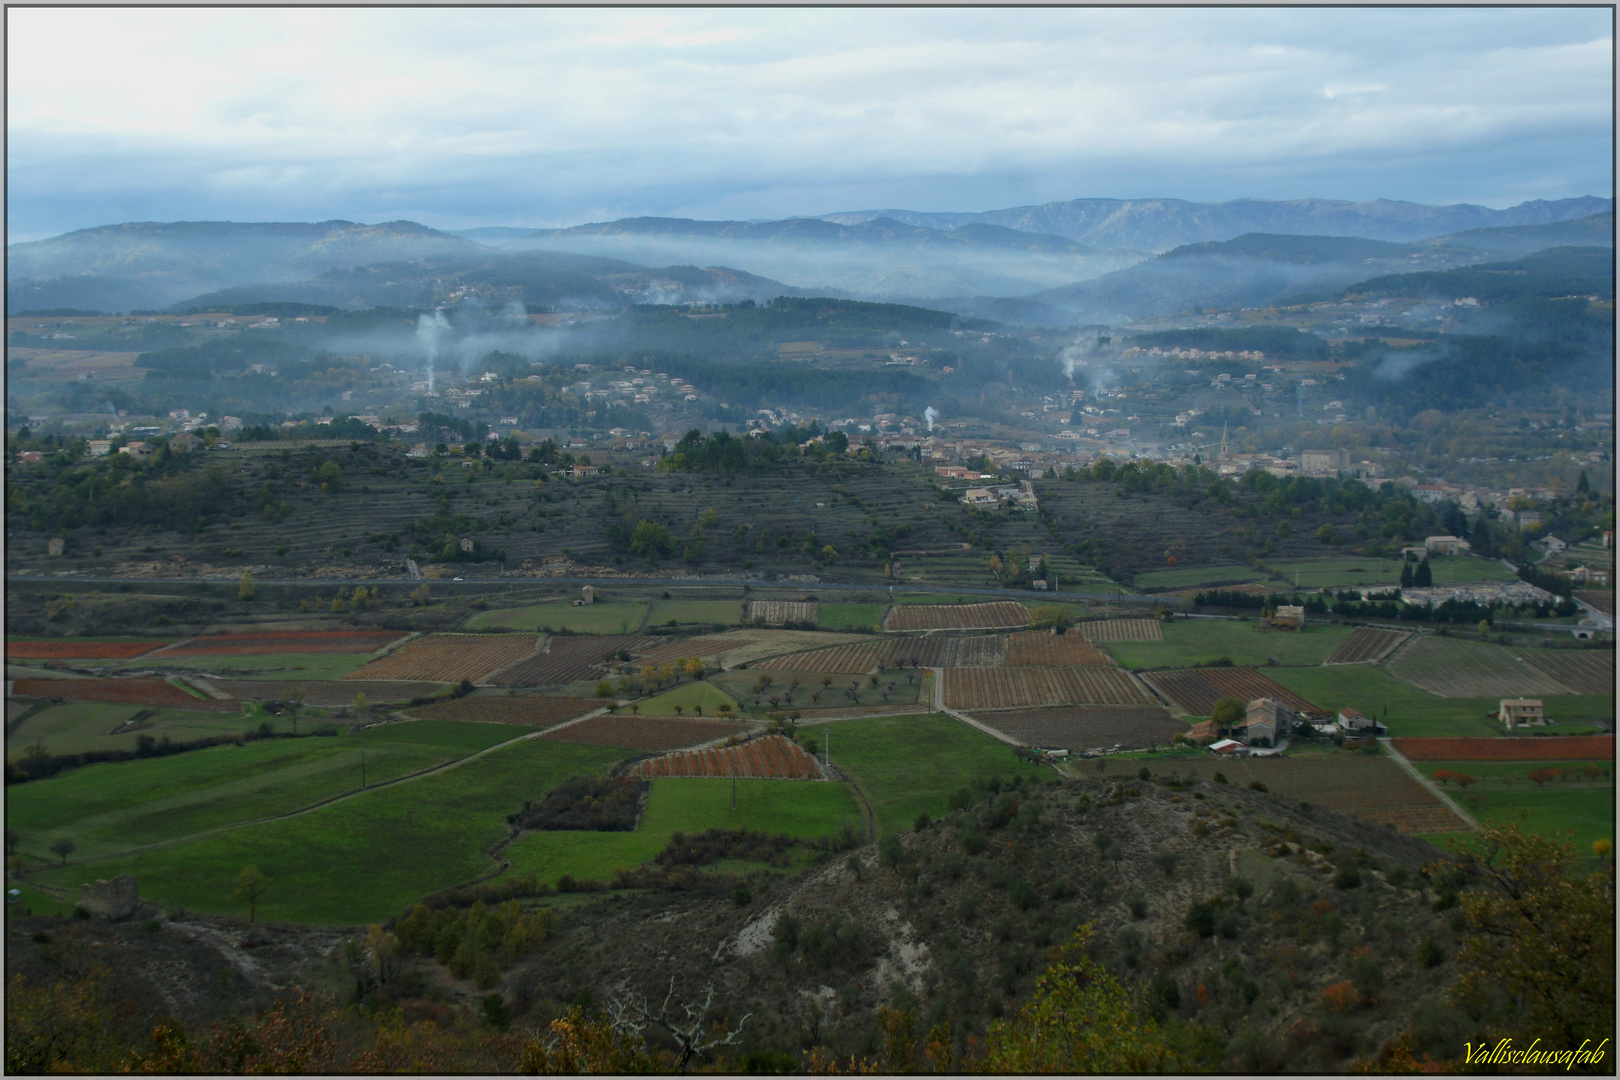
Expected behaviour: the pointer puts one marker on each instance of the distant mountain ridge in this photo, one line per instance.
(1161, 224)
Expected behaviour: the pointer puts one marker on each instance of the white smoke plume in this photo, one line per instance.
(1093, 357)
(930, 414)
(431, 330)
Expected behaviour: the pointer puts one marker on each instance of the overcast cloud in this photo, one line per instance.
(458, 118)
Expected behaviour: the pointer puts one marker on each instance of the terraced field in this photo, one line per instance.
(1011, 688)
(1366, 645)
(1198, 689)
(1086, 727)
(999, 615)
(1045, 649)
(1451, 668)
(644, 732)
(450, 658)
(563, 660)
(501, 709)
(781, 612)
(856, 659)
(1120, 630)
(277, 643)
(771, 756)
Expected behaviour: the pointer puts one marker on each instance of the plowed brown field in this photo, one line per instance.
(1011, 688)
(1366, 645)
(780, 612)
(123, 691)
(1001, 614)
(773, 756)
(1197, 689)
(643, 732)
(273, 643)
(1589, 671)
(1042, 648)
(570, 659)
(692, 648)
(1528, 748)
(449, 658)
(326, 693)
(500, 709)
(855, 659)
(1120, 630)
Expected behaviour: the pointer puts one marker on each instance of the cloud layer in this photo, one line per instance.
(549, 117)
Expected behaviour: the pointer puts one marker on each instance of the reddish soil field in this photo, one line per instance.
(292, 641)
(643, 732)
(1366, 645)
(1198, 689)
(1041, 648)
(323, 693)
(773, 756)
(1086, 727)
(569, 659)
(1011, 688)
(856, 659)
(500, 709)
(1001, 614)
(450, 658)
(76, 649)
(1374, 789)
(154, 692)
(1527, 748)
(1120, 630)
(692, 648)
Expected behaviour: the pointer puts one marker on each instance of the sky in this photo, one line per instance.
(545, 117)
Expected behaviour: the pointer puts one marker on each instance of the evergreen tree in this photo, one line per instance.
(1424, 577)
(1406, 575)
(1583, 485)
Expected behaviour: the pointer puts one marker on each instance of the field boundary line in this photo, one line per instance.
(939, 706)
(1417, 774)
(312, 807)
(1400, 647)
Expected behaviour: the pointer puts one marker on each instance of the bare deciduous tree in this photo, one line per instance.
(688, 1030)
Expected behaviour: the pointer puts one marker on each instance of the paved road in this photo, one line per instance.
(485, 582)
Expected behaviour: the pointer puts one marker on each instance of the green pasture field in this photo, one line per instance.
(35, 902)
(851, 616)
(1411, 711)
(108, 808)
(1189, 642)
(721, 612)
(1190, 577)
(75, 727)
(689, 805)
(362, 859)
(286, 666)
(688, 695)
(614, 618)
(1326, 573)
(1584, 807)
(908, 765)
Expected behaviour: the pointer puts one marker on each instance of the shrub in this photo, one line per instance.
(1220, 778)
(1023, 894)
(1255, 785)
(1430, 954)
(1229, 925)
(1348, 877)
(741, 897)
(972, 842)
(1137, 903)
(1167, 861)
(1201, 918)
(1368, 974)
(891, 852)
(1341, 996)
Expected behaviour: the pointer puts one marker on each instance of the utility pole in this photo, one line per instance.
(362, 769)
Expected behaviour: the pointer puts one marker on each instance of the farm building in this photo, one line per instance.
(979, 497)
(1515, 711)
(30, 457)
(1229, 748)
(185, 443)
(587, 595)
(140, 451)
(1352, 722)
(54, 546)
(1289, 617)
(100, 447)
(1445, 545)
(1265, 720)
(420, 450)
